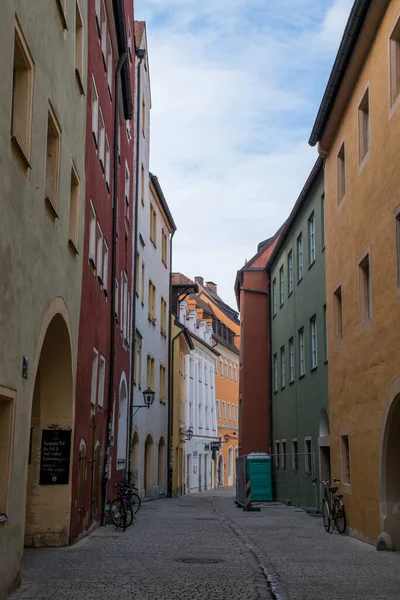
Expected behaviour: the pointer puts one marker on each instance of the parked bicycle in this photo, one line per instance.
(332, 508)
(125, 506)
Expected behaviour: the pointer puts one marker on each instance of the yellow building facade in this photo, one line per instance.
(358, 132)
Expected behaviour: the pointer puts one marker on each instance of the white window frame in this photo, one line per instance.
(299, 245)
(95, 111)
(224, 409)
(290, 272)
(311, 239)
(92, 235)
(281, 286)
(283, 360)
(302, 368)
(275, 372)
(102, 379)
(105, 265)
(291, 360)
(274, 297)
(95, 373)
(314, 342)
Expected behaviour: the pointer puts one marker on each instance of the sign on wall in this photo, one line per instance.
(55, 457)
(214, 446)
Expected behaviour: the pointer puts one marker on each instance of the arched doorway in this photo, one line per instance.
(389, 473)
(161, 462)
(148, 464)
(48, 496)
(230, 466)
(324, 446)
(135, 459)
(122, 424)
(221, 471)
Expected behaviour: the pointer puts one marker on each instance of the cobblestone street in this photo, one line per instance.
(277, 553)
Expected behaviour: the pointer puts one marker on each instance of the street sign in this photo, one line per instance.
(55, 457)
(214, 446)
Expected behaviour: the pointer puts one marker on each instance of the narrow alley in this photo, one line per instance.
(202, 546)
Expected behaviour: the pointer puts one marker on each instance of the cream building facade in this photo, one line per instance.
(42, 141)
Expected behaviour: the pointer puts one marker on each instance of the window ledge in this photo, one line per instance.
(311, 264)
(301, 376)
(79, 82)
(62, 14)
(95, 139)
(299, 280)
(291, 382)
(363, 162)
(51, 207)
(20, 152)
(290, 293)
(92, 263)
(104, 61)
(313, 368)
(99, 279)
(105, 292)
(108, 186)
(73, 247)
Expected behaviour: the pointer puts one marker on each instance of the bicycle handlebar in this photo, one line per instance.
(327, 481)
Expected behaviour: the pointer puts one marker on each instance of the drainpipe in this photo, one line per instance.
(171, 398)
(140, 53)
(120, 64)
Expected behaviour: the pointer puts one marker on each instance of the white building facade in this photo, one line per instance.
(201, 418)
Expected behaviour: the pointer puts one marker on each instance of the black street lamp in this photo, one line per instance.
(228, 437)
(148, 397)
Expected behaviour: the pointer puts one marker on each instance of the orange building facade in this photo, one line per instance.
(358, 131)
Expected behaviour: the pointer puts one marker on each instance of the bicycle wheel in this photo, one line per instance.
(326, 515)
(119, 510)
(340, 515)
(135, 503)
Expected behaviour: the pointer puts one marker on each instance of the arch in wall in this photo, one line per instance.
(148, 462)
(324, 429)
(48, 496)
(221, 470)
(135, 458)
(122, 423)
(161, 461)
(389, 480)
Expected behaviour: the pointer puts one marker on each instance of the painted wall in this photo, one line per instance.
(40, 275)
(364, 365)
(297, 403)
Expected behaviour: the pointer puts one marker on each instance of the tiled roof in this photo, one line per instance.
(181, 279)
(139, 28)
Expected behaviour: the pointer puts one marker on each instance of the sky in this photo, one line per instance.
(235, 87)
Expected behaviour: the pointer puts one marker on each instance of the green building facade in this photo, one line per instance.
(299, 370)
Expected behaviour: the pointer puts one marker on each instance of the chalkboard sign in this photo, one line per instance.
(54, 458)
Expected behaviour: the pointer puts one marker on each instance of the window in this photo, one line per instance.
(130, 41)
(98, 15)
(229, 411)
(102, 378)
(143, 117)
(323, 221)
(221, 367)
(164, 248)
(290, 272)
(116, 299)
(163, 384)
(218, 409)
(104, 36)
(163, 317)
(308, 457)
(109, 66)
(275, 372)
(152, 301)
(226, 370)
(74, 205)
(7, 398)
(224, 410)
(313, 332)
(95, 368)
(235, 373)
(300, 257)
(363, 128)
(291, 360)
(150, 372)
(153, 225)
(108, 164)
(124, 305)
(105, 267)
(397, 242)
(283, 366)
(284, 455)
(143, 282)
(281, 286)
(394, 58)
(127, 183)
(277, 454)
(79, 46)
(338, 313)
(102, 139)
(345, 448)
(365, 289)
(301, 353)
(92, 236)
(142, 187)
(295, 455)
(21, 115)
(95, 112)
(311, 239)
(341, 174)
(52, 160)
(99, 252)
(62, 9)
(274, 297)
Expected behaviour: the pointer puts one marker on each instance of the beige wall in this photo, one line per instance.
(36, 264)
(364, 366)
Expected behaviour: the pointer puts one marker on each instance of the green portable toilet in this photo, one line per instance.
(260, 474)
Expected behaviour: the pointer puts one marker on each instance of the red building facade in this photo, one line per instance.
(104, 333)
(252, 296)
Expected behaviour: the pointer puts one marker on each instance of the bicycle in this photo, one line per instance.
(125, 506)
(332, 509)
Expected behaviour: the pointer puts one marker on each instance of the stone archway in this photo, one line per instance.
(161, 462)
(324, 445)
(48, 497)
(148, 464)
(389, 480)
(135, 459)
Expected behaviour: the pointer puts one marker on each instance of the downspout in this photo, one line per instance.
(118, 69)
(140, 53)
(269, 358)
(170, 374)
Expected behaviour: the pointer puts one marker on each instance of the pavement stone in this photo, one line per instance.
(278, 553)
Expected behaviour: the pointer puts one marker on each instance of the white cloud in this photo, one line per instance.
(234, 96)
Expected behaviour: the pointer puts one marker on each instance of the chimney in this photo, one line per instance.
(212, 286)
(199, 280)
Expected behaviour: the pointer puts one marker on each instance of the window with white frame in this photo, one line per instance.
(283, 366)
(300, 257)
(313, 332)
(290, 272)
(99, 252)
(235, 373)
(109, 66)
(274, 298)
(102, 378)
(95, 368)
(92, 236)
(226, 370)
(224, 410)
(291, 360)
(116, 298)
(275, 372)
(218, 409)
(102, 139)
(104, 35)
(98, 16)
(221, 367)
(108, 163)
(281, 286)
(105, 266)
(229, 411)
(301, 352)
(311, 239)
(95, 112)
